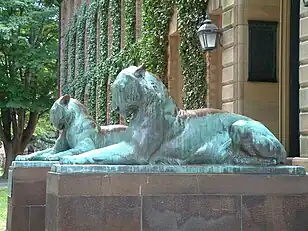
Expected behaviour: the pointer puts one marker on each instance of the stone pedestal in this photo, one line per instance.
(300, 161)
(27, 195)
(289, 161)
(172, 198)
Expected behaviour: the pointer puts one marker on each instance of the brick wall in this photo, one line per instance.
(68, 8)
(303, 79)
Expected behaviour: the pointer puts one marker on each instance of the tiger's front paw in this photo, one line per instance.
(52, 158)
(21, 158)
(49, 157)
(76, 160)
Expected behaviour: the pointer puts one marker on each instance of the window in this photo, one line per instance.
(262, 63)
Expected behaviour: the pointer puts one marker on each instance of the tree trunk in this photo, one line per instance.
(17, 145)
(9, 158)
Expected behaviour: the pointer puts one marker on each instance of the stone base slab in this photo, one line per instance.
(27, 195)
(202, 169)
(300, 161)
(167, 201)
(289, 160)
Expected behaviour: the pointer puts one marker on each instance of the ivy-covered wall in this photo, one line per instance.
(150, 49)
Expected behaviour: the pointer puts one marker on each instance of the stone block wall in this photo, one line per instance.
(265, 102)
(239, 95)
(233, 65)
(303, 80)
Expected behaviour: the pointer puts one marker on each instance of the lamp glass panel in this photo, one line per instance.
(211, 40)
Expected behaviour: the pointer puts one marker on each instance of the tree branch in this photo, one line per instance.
(14, 123)
(29, 130)
(49, 38)
(6, 124)
(21, 119)
(43, 112)
(2, 135)
(3, 61)
(39, 33)
(20, 74)
(6, 65)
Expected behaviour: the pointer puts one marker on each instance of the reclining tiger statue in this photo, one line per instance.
(160, 133)
(78, 132)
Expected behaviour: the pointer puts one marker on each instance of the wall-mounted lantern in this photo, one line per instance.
(305, 3)
(208, 34)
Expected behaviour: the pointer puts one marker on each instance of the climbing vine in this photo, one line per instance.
(64, 65)
(72, 55)
(92, 53)
(150, 49)
(115, 64)
(156, 17)
(102, 74)
(103, 10)
(130, 22)
(80, 53)
(193, 66)
(115, 9)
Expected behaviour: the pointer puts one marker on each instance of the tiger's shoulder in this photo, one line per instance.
(183, 114)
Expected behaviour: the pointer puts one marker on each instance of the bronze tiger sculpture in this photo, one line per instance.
(161, 133)
(79, 133)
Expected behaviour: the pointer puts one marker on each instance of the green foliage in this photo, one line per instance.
(156, 18)
(193, 66)
(130, 22)
(150, 49)
(28, 68)
(80, 53)
(64, 65)
(52, 2)
(72, 56)
(28, 54)
(115, 64)
(44, 127)
(103, 11)
(92, 17)
(115, 9)
(3, 207)
(102, 73)
(92, 54)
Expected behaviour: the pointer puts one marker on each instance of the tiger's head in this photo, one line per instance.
(60, 113)
(134, 89)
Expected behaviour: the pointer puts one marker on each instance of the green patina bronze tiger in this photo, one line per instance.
(78, 132)
(159, 132)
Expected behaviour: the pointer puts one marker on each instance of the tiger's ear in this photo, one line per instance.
(139, 73)
(65, 100)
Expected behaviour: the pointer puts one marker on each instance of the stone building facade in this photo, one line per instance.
(281, 105)
(303, 81)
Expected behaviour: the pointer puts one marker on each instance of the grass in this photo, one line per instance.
(3, 208)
